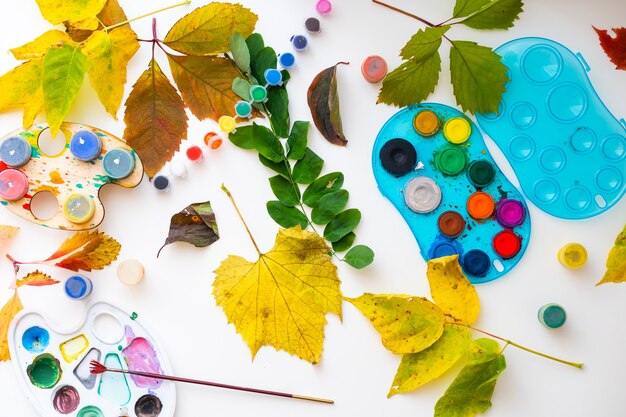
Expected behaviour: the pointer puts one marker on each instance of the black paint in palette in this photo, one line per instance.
(148, 406)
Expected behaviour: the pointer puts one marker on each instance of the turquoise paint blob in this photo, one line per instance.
(79, 186)
(90, 411)
(35, 339)
(113, 386)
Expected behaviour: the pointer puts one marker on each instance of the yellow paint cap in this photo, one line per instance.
(79, 208)
(457, 130)
(573, 256)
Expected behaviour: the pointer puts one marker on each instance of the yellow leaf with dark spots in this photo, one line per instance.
(39, 47)
(8, 312)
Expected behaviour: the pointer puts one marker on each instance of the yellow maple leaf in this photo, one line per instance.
(39, 47)
(7, 232)
(58, 11)
(8, 312)
(282, 299)
(22, 87)
(86, 251)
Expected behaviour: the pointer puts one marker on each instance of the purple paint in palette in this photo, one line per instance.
(141, 356)
(510, 213)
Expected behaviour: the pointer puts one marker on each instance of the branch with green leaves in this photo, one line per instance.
(478, 75)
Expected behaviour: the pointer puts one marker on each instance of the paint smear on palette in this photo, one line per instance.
(71, 349)
(66, 399)
(141, 356)
(113, 386)
(83, 372)
(148, 406)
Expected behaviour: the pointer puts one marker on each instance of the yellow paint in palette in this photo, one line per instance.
(71, 349)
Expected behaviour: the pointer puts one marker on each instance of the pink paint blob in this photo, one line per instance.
(141, 356)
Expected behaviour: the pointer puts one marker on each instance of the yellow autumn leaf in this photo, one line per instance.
(39, 47)
(107, 55)
(8, 312)
(616, 261)
(417, 369)
(58, 11)
(86, 251)
(7, 232)
(282, 299)
(406, 324)
(88, 23)
(21, 88)
(451, 290)
(36, 279)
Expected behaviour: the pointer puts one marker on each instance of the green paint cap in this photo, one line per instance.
(552, 316)
(451, 161)
(480, 173)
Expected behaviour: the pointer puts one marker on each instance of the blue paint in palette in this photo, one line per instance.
(118, 163)
(15, 151)
(35, 339)
(85, 145)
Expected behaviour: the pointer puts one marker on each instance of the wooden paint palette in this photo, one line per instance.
(64, 175)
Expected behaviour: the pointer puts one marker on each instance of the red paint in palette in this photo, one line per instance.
(507, 244)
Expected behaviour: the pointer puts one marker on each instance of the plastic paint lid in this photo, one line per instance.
(323, 7)
(451, 161)
(78, 287)
(286, 60)
(194, 153)
(15, 151)
(130, 272)
(118, 163)
(227, 124)
(79, 208)
(312, 25)
(480, 205)
(374, 68)
(13, 184)
(299, 42)
(441, 248)
(480, 173)
(507, 244)
(510, 213)
(573, 256)
(398, 156)
(273, 77)
(178, 169)
(258, 94)
(552, 316)
(422, 195)
(476, 262)
(243, 109)
(161, 182)
(85, 146)
(451, 224)
(426, 123)
(457, 130)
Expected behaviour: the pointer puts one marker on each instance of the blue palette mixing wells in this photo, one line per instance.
(566, 148)
(431, 162)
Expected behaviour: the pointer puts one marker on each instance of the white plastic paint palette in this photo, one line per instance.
(53, 366)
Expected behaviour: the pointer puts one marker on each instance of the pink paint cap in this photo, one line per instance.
(510, 213)
(323, 7)
(374, 68)
(13, 184)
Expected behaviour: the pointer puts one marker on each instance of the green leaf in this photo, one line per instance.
(478, 77)
(412, 82)
(240, 51)
(342, 224)
(323, 185)
(470, 392)
(286, 192)
(278, 108)
(63, 74)
(616, 261)
(278, 167)
(261, 61)
(344, 243)
(241, 87)
(306, 170)
(286, 216)
(266, 143)
(255, 44)
(488, 14)
(359, 256)
(424, 43)
(242, 137)
(56, 11)
(328, 206)
(208, 29)
(296, 144)
(417, 369)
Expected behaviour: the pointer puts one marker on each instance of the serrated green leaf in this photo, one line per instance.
(328, 206)
(344, 243)
(478, 77)
(359, 256)
(278, 167)
(417, 369)
(63, 74)
(286, 192)
(424, 43)
(342, 224)
(278, 108)
(488, 14)
(306, 170)
(463, 8)
(240, 51)
(286, 216)
(296, 144)
(323, 185)
(470, 392)
(255, 44)
(412, 82)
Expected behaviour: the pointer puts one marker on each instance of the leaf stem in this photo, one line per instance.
(182, 3)
(424, 21)
(232, 200)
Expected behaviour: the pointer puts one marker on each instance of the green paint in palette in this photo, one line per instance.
(45, 371)
(90, 411)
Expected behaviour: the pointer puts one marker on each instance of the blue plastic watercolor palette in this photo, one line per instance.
(431, 162)
(53, 366)
(566, 148)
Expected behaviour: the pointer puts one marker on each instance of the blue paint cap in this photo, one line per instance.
(161, 182)
(476, 262)
(273, 77)
(85, 145)
(78, 287)
(118, 163)
(444, 247)
(299, 42)
(287, 60)
(15, 151)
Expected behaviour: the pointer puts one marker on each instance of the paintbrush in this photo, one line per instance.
(98, 368)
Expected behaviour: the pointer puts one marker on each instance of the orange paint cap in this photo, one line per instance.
(480, 205)
(426, 123)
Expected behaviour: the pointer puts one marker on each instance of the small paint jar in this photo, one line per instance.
(78, 287)
(15, 151)
(573, 256)
(13, 184)
(178, 169)
(422, 195)
(426, 123)
(312, 25)
(79, 208)
(451, 224)
(258, 94)
(273, 77)
(227, 124)
(213, 140)
(480, 205)
(130, 272)
(299, 42)
(243, 109)
(374, 68)
(194, 153)
(85, 145)
(457, 130)
(451, 161)
(324, 7)
(444, 247)
(507, 244)
(398, 157)
(480, 173)
(161, 183)
(510, 213)
(552, 316)
(476, 262)
(287, 60)
(118, 163)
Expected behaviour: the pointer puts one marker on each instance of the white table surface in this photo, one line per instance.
(356, 371)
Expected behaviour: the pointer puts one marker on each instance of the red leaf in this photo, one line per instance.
(615, 48)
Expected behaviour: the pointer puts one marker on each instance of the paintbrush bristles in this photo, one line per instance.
(97, 368)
